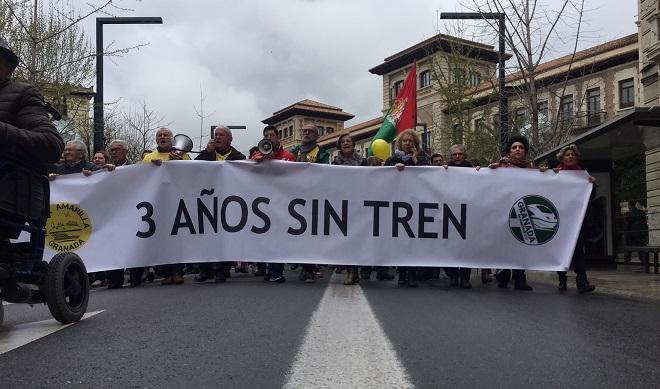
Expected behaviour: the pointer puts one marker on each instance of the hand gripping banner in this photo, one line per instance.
(274, 211)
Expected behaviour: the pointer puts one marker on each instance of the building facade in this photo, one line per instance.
(649, 68)
(73, 103)
(290, 120)
(575, 93)
(442, 60)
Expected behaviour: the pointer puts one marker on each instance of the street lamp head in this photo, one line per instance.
(131, 20)
(98, 99)
(471, 15)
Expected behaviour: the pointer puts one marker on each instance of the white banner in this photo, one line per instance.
(277, 211)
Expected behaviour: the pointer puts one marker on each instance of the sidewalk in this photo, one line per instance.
(629, 281)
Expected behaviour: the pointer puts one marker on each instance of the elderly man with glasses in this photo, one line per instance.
(310, 151)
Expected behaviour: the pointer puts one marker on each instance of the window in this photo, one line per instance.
(425, 79)
(321, 130)
(544, 119)
(396, 88)
(279, 134)
(478, 124)
(457, 133)
(593, 106)
(566, 107)
(475, 79)
(496, 121)
(465, 78)
(290, 131)
(329, 130)
(521, 116)
(61, 105)
(593, 101)
(460, 77)
(626, 93)
(426, 140)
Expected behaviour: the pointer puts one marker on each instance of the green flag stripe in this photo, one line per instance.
(387, 131)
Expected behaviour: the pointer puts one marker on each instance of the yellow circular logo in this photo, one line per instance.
(68, 227)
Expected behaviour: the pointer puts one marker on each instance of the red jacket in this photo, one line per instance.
(281, 154)
(574, 167)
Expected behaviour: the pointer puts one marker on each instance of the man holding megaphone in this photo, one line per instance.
(167, 151)
(218, 149)
(270, 148)
(164, 149)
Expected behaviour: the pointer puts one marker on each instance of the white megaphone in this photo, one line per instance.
(182, 143)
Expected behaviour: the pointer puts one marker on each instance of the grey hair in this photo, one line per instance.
(224, 127)
(121, 142)
(164, 129)
(81, 146)
(573, 147)
(459, 147)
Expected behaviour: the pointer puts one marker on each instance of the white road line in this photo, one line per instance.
(22, 334)
(345, 347)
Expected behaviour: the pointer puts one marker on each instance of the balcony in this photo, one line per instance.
(583, 121)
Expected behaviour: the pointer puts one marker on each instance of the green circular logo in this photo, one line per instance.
(533, 220)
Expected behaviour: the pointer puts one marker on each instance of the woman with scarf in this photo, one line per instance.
(569, 158)
(516, 157)
(408, 153)
(349, 157)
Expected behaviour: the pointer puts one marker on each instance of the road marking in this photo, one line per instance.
(5, 303)
(345, 347)
(22, 334)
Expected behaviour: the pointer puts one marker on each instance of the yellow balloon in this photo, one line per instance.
(380, 149)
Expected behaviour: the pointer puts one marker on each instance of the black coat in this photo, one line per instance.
(393, 160)
(77, 168)
(27, 135)
(235, 155)
(462, 164)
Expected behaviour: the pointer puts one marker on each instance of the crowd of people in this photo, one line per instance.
(28, 137)
(408, 152)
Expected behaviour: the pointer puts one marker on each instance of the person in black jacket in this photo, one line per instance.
(218, 149)
(516, 158)
(458, 158)
(75, 160)
(408, 153)
(27, 135)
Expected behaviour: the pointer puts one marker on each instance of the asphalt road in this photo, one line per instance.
(251, 334)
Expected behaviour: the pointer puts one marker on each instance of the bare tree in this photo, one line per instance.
(200, 114)
(454, 74)
(55, 53)
(137, 125)
(532, 28)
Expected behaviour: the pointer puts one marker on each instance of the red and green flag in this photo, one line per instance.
(403, 112)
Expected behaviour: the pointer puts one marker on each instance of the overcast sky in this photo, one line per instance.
(253, 58)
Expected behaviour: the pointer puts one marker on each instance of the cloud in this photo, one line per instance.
(254, 57)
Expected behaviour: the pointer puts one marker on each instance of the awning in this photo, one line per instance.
(624, 135)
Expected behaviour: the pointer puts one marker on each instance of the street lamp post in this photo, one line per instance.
(230, 127)
(504, 99)
(98, 98)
